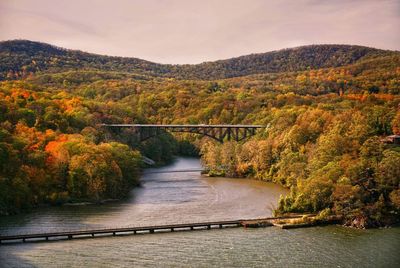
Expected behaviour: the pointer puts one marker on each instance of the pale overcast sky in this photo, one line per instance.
(188, 31)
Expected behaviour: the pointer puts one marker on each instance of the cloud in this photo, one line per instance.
(189, 31)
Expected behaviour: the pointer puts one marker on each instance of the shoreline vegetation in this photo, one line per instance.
(316, 218)
(326, 119)
(293, 220)
(359, 210)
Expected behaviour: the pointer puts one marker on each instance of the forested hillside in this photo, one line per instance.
(21, 58)
(324, 140)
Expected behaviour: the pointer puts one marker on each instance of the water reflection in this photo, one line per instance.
(329, 246)
(189, 197)
(163, 198)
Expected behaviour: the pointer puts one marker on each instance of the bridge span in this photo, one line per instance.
(216, 132)
(263, 222)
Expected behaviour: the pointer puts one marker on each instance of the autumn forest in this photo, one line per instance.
(327, 109)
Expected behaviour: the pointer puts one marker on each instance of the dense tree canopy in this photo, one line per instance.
(323, 141)
(22, 58)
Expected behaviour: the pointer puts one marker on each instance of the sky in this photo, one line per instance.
(194, 31)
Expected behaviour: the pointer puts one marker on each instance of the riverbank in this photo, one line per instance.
(173, 198)
(366, 218)
(292, 221)
(163, 198)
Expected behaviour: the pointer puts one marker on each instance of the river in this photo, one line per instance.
(166, 198)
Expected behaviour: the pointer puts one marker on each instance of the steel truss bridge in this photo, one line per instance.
(220, 133)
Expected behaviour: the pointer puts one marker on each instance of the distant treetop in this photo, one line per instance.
(21, 58)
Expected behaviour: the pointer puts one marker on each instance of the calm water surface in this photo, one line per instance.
(188, 197)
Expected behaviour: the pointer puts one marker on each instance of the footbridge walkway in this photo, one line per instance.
(68, 235)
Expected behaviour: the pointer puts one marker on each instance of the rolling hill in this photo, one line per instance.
(21, 58)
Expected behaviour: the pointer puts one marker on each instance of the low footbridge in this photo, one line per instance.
(216, 132)
(75, 234)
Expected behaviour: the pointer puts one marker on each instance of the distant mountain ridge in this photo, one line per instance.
(20, 58)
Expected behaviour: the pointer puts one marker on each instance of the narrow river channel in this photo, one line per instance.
(167, 198)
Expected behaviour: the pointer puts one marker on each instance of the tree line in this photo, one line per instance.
(324, 139)
(23, 58)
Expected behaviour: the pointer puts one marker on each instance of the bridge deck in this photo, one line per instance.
(131, 230)
(217, 132)
(115, 231)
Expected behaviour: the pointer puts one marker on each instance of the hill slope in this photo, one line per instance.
(20, 58)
